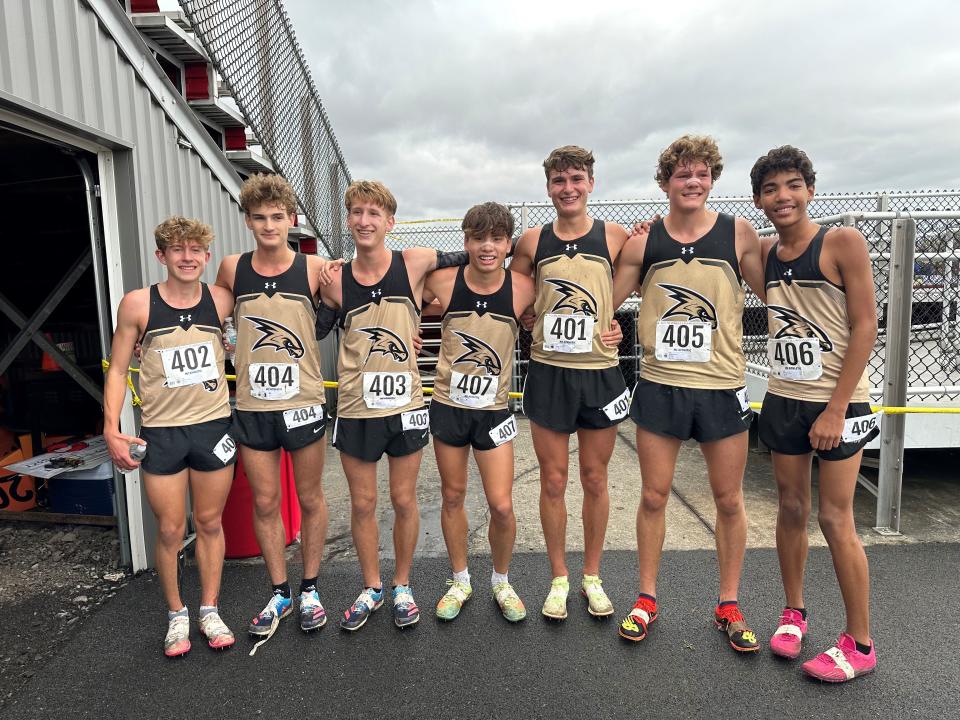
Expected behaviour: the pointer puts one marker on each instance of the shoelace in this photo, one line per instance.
(459, 590)
(504, 593)
(730, 613)
(178, 629)
(364, 602)
(403, 600)
(309, 600)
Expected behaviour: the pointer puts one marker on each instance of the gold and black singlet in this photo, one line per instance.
(182, 379)
(377, 365)
(277, 356)
(690, 324)
(574, 303)
(478, 339)
(808, 327)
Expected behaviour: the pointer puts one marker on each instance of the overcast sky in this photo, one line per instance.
(453, 103)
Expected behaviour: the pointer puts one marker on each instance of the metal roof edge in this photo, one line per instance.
(115, 22)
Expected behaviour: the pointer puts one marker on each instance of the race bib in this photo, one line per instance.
(415, 420)
(688, 341)
(225, 448)
(189, 364)
(385, 390)
(856, 429)
(274, 381)
(476, 391)
(568, 333)
(794, 358)
(504, 432)
(298, 417)
(617, 410)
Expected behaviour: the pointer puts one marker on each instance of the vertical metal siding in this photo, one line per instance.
(55, 54)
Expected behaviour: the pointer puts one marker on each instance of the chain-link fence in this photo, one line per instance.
(935, 327)
(253, 48)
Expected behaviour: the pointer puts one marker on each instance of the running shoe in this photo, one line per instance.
(729, 619)
(458, 594)
(788, 638)
(405, 610)
(555, 606)
(277, 609)
(598, 604)
(312, 614)
(366, 602)
(216, 632)
(842, 662)
(510, 603)
(177, 641)
(634, 625)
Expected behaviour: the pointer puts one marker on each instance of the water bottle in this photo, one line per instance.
(137, 451)
(230, 334)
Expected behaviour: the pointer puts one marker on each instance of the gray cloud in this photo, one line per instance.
(455, 103)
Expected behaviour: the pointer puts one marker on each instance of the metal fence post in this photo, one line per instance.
(524, 217)
(895, 367)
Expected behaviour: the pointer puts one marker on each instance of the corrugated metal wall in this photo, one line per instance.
(54, 54)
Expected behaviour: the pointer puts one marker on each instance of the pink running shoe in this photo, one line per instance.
(842, 662)
(788, 638)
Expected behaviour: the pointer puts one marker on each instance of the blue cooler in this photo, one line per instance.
(83, 492)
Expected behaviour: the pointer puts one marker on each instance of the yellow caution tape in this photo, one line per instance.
(889, 410)
(135, 399)
(424, 222)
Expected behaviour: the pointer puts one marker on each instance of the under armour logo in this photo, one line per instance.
(686, 251)
(788, 273)
(572, 246)
(375, 293)
(186, 318)
(481, 303)
(269, 286)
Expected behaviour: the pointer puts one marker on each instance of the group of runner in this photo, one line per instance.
(564, 281)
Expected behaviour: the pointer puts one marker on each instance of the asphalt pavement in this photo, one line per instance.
(480, 666)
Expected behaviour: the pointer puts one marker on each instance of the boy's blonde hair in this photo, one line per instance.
(178, 229)
(370, 191)
(569, 156)
(261, 190)
(689, 149)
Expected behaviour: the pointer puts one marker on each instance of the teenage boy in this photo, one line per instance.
(822, 318)
(377, 299)
(574, 383)
(185, 417)
(280, 393)
(690, 270)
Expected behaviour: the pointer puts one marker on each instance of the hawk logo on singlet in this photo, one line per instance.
(479, 353)
(210, 385)
(277, 336)
(796, 325)
(689, 305)
(387, 343)
(573, 297)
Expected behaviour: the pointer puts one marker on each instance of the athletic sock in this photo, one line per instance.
(497, 578)
(282, 589)
(463, 577)
(648, 596)
(865, 649)
(182, 612)
(725, 603)
(206, 610)
(802, 611)
(308, 585)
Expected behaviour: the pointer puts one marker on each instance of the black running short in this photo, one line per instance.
(460, 426)
(288, 429)
(785, 425)
(204, 447)
(368, 439)
(567, 399)
(684, 413)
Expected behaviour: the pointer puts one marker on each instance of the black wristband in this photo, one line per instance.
(326, 319)
(452, 259)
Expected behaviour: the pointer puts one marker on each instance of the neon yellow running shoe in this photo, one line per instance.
(449, 606)
(510, 603)
(555, 606)
(598, 604)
